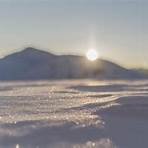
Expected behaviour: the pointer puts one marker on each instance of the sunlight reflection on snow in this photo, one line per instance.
(68, 116)
(102, 143)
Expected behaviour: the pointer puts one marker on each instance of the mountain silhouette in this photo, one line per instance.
(34, 64)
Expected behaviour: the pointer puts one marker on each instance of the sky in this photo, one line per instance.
(117, 29)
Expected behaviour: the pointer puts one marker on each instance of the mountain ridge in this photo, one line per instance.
(35, 64)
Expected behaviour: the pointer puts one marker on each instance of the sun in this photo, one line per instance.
(92, 54)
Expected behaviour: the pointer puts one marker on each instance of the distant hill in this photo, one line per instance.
(142, 71)
(34, 64)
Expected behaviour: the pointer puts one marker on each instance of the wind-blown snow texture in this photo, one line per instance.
(74, 114)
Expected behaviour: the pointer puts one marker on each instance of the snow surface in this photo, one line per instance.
(74, 114)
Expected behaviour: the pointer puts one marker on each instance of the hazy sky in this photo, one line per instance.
(118, 29)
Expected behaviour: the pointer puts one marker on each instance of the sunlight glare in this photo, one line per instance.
(92, 55)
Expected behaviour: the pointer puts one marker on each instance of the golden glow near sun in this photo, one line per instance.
(92, 54)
